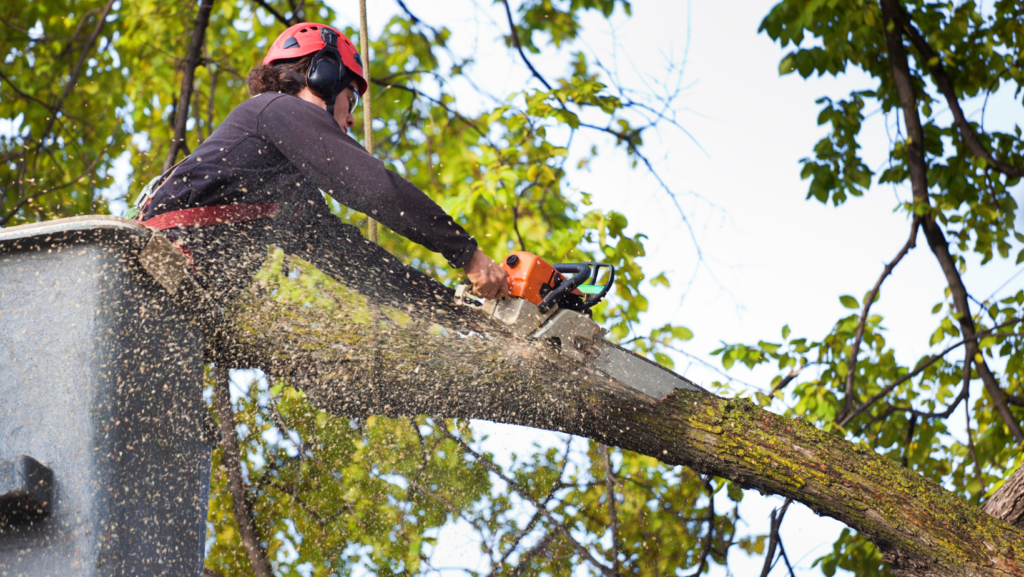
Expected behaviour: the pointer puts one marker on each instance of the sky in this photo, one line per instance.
(770, 257)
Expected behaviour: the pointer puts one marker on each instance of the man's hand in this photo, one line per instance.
(488, 278)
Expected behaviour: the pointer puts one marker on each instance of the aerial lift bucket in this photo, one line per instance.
(105, 442)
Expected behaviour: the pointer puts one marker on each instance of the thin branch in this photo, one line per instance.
(716, 369)
(211, 103)
(868, 301)
(536, 516)
(773, 537)
(232, 462)
(918, 169)
(73, 78)
(922, 366)
(27, 199)
(782, 551)
(192, 59)
(537, 549)
(794, 373)
(974, 454)
(910, 437)
(519, 47)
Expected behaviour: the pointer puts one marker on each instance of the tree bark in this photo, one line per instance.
(1008, 501)
(192, 58)
(429, 357)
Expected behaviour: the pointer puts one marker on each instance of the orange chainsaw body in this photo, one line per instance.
(531, 277)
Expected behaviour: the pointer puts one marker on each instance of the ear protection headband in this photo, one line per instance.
(327, 75)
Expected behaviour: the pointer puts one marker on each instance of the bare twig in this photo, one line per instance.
(519, 47)
(868, 301)
(192, 60)
(773, 538)
(232, 462)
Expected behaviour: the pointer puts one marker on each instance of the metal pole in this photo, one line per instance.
(364, 48)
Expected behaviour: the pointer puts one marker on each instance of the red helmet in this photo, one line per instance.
(308, 38)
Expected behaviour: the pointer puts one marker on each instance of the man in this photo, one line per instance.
(257, 180)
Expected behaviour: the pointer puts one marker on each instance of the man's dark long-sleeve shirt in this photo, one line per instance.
(273, 146)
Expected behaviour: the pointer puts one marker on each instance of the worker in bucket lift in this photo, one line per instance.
(257, 181)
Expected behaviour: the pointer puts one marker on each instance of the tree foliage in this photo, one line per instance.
(88, 86)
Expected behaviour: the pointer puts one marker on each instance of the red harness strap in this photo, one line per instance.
(207, 215)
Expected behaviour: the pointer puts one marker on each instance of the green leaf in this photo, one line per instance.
(664, 360)
(849, 302)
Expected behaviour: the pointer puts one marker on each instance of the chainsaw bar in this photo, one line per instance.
(576, 337)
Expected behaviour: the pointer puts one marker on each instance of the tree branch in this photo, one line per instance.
(76, 72)
(934, 63)
(919, 185)
(774, 539)
(1007, 503)
(709, 518)
(519, 47)
(922, 366)
(324, 350)
(232, 462)
(27, 199)
(974, 454)
(868, 301)
(192, 59)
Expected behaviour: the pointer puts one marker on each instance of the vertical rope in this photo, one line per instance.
(364, 48)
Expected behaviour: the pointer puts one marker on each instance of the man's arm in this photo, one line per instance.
(313, 142)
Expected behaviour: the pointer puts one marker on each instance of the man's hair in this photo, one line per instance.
(287, 76)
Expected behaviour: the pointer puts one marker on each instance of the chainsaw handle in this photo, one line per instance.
(593, 280)
(582, 274)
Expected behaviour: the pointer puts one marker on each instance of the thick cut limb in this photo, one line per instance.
(429, 357)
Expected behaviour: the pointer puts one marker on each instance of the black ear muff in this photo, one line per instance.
(323, 75)
(326, 72)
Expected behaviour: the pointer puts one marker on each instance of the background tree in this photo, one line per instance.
(86, 82)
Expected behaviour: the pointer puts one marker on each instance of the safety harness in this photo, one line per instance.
(198, 216)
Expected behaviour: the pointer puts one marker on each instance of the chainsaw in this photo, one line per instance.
(552, 304)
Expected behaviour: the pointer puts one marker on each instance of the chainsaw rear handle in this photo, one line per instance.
(593, 280)
(582, 272)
